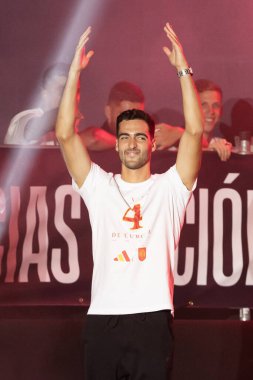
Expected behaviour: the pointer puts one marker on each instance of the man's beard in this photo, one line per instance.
(142, 159)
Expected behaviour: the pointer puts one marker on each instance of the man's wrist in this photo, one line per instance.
(183, 72)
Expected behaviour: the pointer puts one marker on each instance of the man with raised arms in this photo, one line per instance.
(136, 219)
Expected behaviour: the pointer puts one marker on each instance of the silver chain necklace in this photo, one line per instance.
(122, 196)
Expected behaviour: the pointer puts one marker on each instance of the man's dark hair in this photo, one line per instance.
(207, 85)
(135, 114)
(125, 91)
(57, 69)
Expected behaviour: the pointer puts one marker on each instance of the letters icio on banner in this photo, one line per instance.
(45, 236)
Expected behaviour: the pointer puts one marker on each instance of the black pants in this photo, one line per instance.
(129, 347)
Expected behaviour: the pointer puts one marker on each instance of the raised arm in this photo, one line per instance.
(74, 152)
(189, 151)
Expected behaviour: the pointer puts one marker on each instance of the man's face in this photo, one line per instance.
(113, 110)
(134, 143)
(212, 106)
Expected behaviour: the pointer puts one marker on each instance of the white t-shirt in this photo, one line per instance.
(135, 231)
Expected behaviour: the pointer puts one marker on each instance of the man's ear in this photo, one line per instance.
(153, 145)
(117, 146)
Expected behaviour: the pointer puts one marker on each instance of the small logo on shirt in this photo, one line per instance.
(123, 256)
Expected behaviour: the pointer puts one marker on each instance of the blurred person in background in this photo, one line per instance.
(36, 125)
(125, 95)
(211, 101)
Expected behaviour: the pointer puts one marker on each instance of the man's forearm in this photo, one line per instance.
(65, 123)
(97, 139)
(191, 106)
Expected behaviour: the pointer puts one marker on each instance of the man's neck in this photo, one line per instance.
(135, 175)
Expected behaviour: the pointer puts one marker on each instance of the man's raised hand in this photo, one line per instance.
(175, 54)
(81, 59)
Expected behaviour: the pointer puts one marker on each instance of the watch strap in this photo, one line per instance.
(184, 72)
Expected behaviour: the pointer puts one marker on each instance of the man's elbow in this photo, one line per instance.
(195, 132)
(199, 133)
(63, 135)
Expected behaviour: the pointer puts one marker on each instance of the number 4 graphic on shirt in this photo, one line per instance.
(135, 219)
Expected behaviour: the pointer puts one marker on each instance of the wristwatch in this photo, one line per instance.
(183, 72)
